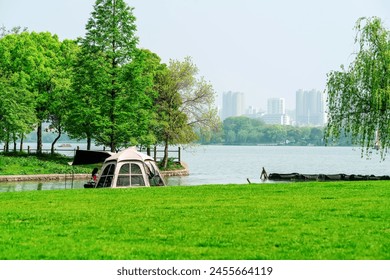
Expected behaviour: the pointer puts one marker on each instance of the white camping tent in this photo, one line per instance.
(129, 168)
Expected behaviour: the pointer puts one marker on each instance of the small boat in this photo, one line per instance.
(323, 177)
(65, 145)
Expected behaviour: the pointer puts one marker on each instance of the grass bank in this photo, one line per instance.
(32, 164)
(341, 220)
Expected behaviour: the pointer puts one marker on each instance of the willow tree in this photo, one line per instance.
(359, 96)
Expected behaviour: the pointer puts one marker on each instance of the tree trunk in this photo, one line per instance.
(148, 151)
(55, 141)
(89, 140)
(39, 138)
(112, 146)
(21, 143)
(15, 145)
(6, 144)
(164, 162)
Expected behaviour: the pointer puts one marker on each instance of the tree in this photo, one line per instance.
(17, 111)
(316, 135)
(171, 124)
(141, 76)
(47, 55)
(276, 134)
(60, 97)
(359, 97)
(108, 47)
(197, 95)
(185, 105)
(84, 116)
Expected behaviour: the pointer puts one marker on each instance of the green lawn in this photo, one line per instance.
(340, 220)
(31, 164)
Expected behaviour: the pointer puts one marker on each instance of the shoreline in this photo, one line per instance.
(68, 176)
(42, 177)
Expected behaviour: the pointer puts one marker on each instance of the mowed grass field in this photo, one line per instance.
(294, 221)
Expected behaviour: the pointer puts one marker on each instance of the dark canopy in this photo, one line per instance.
(90, 157)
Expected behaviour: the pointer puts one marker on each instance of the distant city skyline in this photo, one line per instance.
(310, 108)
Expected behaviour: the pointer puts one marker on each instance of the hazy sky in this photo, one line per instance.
(263, 48)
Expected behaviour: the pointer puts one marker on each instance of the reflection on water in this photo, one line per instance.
(40, 186)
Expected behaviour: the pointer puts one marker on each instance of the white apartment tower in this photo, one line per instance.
(276, 106)
(276, 112)
(232, 104)
(310, 108)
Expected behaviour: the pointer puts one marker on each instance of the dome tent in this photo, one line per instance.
(129, 168)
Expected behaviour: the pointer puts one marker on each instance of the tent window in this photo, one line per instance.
(107, 176)
(124, 169)
(130, 174)
(135, 169)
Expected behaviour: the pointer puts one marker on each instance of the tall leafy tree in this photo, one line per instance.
(359, 96)
(197, 94)
(59, 101)
(185, 105)
(108, 47)
(31, 65)
(44, 75)
(84, 116)
(17, 96)
(172, 128)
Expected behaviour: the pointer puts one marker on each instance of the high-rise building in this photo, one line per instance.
(232, 104)
(276, 112)
(276, 106)
(310, 108)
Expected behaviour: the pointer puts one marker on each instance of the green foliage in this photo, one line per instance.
(141, 76)
(17, 111)
(359, 97)
(172, 164)
(107, 50)
(295, 221)
(184, 105)
(35, 79)
(247, 131)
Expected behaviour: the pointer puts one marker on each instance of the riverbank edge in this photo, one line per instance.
(68, 176)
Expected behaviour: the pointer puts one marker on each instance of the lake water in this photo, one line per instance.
(234, 164)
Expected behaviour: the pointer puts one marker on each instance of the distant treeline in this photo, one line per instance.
(247, 131)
